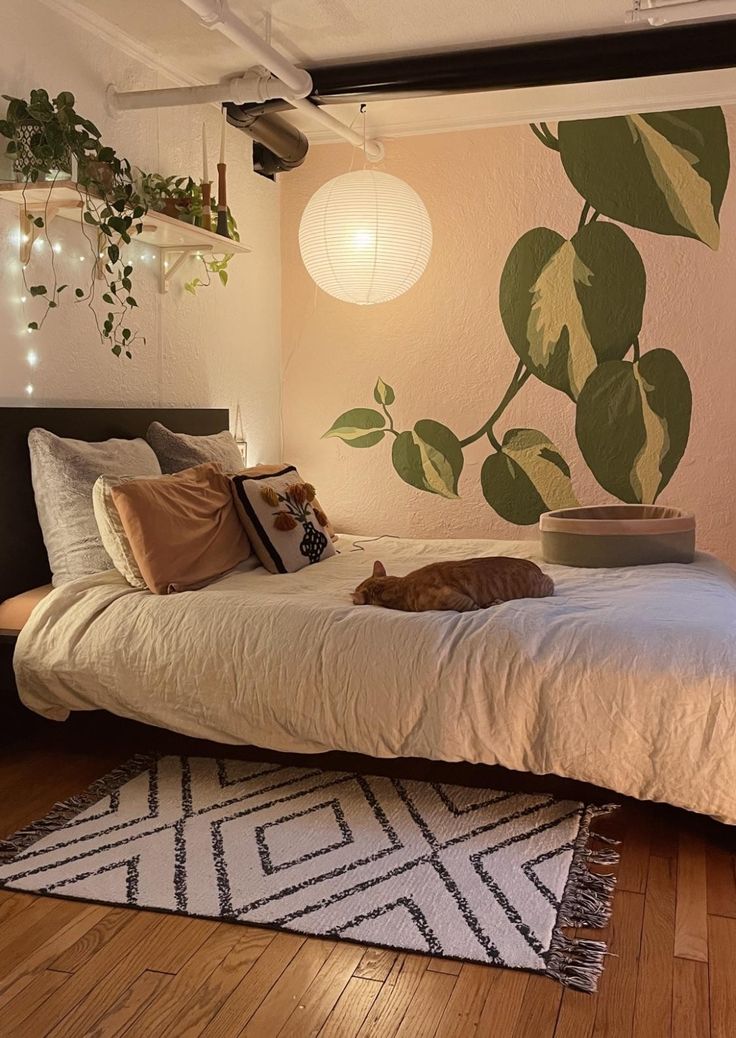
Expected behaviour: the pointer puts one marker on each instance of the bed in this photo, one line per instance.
(625, 679)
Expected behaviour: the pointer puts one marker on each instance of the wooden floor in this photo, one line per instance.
(77, 970)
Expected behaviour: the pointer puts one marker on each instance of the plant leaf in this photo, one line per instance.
(569, 305)
(429, 458)
(633, 424)
(360, 427)
(526, 477)
(663, 171)
(383, 393)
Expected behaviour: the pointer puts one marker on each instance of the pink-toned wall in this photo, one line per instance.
(443, 349)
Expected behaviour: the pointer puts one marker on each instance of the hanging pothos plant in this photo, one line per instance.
(572, 308)
(44, 136)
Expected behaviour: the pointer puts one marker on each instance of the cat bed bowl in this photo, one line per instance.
(617, 535)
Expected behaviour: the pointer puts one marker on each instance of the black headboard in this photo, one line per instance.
(23, 560)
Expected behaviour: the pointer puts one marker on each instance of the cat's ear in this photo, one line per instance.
(379, 570)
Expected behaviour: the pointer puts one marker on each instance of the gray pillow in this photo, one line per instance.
(177, 451)
(64, 473)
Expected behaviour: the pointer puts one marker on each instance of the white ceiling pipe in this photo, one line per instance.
(373, 149)
(688, 11)
(253, 87)
(215, 14)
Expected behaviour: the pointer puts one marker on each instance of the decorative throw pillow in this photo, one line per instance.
(271, 470)
(279, 514)
(183, 529)
(111, 529)
(64, 472)
(177, 451)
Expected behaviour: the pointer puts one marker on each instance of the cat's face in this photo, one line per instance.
(369, 591)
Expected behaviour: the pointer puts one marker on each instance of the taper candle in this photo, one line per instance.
(222, 137)
(205, 172)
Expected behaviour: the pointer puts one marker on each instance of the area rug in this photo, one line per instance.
(473, 874)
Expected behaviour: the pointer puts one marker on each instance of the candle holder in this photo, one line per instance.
(205, 220)
(222, 228)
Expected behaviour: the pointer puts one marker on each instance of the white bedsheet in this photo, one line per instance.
(626, 678)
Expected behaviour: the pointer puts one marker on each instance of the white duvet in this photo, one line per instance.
(626, 678)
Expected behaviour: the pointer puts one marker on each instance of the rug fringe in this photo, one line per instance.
(66, 810)
(587, 902)
(576, 963)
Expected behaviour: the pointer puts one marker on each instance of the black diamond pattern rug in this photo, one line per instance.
(472, 874)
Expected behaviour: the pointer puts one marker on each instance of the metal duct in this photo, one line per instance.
(279, 145)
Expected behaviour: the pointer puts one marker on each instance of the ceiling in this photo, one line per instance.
(318, 32)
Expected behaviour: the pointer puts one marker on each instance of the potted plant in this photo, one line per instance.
(44, 135)
(173, 196)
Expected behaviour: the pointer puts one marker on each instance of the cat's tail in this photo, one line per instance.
(546, 586)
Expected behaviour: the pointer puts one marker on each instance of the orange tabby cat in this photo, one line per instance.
(463, 586)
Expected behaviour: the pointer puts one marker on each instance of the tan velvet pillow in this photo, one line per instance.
(183, 529)
(271, 470)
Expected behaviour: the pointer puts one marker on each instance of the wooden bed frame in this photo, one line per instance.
(23, 560)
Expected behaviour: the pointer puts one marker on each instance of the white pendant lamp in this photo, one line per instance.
(365, 237)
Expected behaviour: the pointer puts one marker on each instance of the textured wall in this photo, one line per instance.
(443, 348)
(216, 349)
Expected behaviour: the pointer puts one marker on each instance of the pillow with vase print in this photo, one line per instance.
(283, 522)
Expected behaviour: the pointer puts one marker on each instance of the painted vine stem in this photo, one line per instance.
(572, 310)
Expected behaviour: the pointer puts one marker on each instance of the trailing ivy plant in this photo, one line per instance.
(43, 135)
(572, 309)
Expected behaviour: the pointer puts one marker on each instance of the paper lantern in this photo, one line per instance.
(365, 237)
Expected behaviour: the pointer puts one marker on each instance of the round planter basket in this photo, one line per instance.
(617, 535)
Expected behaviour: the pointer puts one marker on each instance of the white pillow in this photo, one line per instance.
(112, 533)
(64, 472)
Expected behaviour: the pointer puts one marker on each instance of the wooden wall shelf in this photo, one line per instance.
(64, 199)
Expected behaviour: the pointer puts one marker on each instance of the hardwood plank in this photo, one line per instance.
(322, 994)
(82, 950)
(690, 999)
(577, 1008)
(691, 918)
(617, 988)
(44, 956)
(51, 921)
(653, 1013)
(279, 1003)
(722, 940)
(248, 994)
(540, 1008)
(503, 1005)
(35, 992)
(207, 998)
(390, 1007)
(66, 1012)
(635, 842)
(32, 914)
(427, 1005)
(463, 1011)
(10, 903)
(721, 881)
(376, 964)
(169, 1004)
(351, 1008)
(175, 940)
(131, 1003)
(449, 966)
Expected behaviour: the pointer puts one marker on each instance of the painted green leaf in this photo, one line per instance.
(527, 477)
(429, 458)
(633, 423)
(664, 171)
(361, 427)
(567, 306)
(383, 394)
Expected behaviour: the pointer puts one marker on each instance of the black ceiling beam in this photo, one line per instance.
(546, 62)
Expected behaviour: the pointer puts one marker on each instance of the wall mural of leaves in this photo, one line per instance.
(572, 308)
